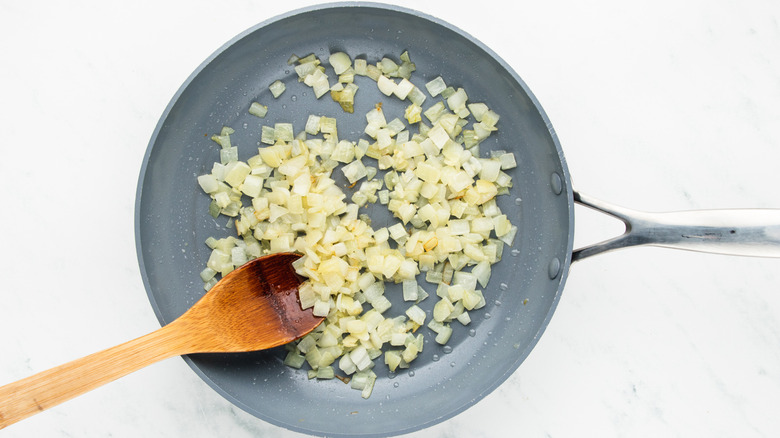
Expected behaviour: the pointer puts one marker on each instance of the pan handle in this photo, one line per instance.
(744, 232)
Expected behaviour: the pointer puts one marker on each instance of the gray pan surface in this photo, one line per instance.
(172, 220)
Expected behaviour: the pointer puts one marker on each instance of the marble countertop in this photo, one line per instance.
(658, 105)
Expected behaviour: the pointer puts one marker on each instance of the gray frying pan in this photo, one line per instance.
(172, 220)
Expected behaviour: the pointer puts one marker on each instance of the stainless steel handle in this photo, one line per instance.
(744, 232)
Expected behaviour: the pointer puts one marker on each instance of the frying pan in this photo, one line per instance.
(172, 220)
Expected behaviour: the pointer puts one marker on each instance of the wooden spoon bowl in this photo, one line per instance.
(255, 307)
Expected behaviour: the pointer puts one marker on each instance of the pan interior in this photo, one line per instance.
(172, 220)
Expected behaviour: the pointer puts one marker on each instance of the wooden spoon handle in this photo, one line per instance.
(26, 397)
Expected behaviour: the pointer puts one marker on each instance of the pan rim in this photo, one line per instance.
(565, 177)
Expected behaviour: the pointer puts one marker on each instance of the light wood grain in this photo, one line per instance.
(253, 308)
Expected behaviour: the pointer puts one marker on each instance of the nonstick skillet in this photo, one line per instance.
(172, 220)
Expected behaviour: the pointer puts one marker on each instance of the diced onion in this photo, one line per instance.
(436, 86)
(340, 62)
(416, 314)
(436, 185)
(386, 85)
(258, 110)
(277, 88)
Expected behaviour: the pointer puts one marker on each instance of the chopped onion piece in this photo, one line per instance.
(457, 100)
(442, 309)
(354, 171)
(410, 290)
(386, 85)
(361, 67)
(416, 96)
(277, 88)
(416, 314)
(340, 62)
(321, 308)
(359, 357)
(369, 386)
(267, 135)
(325, 372)
(507, 161)
(208, 183)
(443, 336)
(392, 359)
(438, 135)
(236, 172)
(373, 72)
(294, 359)
(436, 86)
(509, 237)
(258, 110)
(388, 66)
(403, 89)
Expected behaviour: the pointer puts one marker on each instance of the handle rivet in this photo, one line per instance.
(556, 183)
(554, 268)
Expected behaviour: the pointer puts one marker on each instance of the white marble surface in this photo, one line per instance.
(659, 105)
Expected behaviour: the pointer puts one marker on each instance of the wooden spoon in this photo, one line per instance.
(255, 307)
